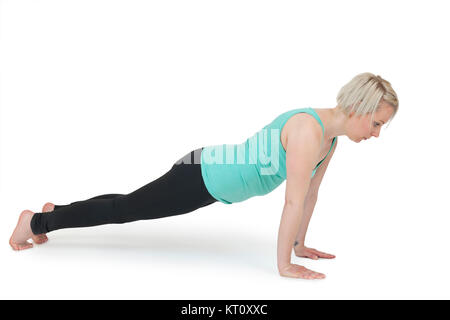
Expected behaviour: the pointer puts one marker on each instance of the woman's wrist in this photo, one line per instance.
(299, 243)
(283, 266)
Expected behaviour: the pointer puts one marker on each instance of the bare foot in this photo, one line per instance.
(42, 238)
(22, 232)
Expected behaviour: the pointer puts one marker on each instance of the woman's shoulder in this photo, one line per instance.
(299, 124)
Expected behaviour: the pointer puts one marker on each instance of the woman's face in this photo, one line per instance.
(361, 127)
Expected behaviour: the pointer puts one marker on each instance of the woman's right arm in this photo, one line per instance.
(302, 151)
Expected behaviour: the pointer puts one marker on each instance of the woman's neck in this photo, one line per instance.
(333, 120)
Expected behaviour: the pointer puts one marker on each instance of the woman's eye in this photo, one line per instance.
(376, 124)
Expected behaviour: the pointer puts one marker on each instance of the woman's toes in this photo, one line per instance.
(40, 238)
(48, 207)
(26, 245)
(21, 246)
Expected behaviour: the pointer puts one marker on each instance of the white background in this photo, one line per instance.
(103, 96)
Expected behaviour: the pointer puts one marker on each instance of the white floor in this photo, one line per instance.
(223, 253)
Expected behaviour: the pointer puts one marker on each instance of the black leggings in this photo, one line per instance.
(178, 191)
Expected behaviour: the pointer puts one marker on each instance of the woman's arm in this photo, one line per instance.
(303, 147)
(311, 197)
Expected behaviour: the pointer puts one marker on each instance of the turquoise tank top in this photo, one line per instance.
(235, 172)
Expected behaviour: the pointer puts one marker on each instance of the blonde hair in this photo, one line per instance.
(364, 93)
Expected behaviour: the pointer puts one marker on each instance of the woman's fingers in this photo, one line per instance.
(309, 274)
(312, 256)
(296, 271)
(312, 253)
(323, 254)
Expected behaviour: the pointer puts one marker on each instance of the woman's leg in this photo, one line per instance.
(180, 190)
(103, 196)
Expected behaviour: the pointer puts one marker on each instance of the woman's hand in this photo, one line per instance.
(296, 271)
(304, 252)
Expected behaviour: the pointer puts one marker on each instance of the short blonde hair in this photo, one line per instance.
(364, 93)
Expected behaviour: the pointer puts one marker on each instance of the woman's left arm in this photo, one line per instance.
(310, 202)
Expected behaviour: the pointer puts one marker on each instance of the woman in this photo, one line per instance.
(296, 146)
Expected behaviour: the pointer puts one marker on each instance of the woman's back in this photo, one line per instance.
(236, 172)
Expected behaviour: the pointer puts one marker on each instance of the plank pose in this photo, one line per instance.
(296, 146)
